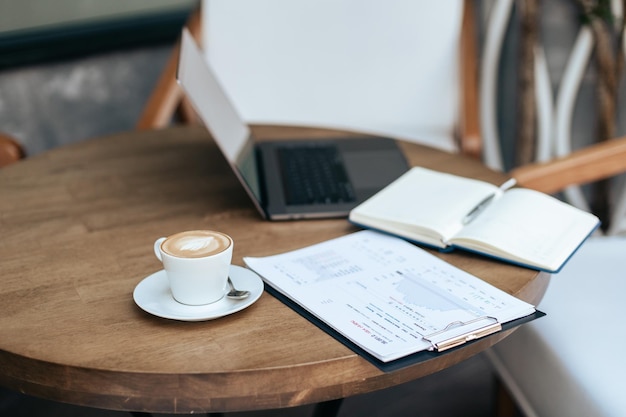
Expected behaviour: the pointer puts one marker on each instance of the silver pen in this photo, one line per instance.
(478, 208)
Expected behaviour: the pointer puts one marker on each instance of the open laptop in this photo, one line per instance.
(291, 179)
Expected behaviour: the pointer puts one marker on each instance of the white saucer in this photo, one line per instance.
(153, 295)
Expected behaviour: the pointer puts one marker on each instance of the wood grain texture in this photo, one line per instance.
(78, 225)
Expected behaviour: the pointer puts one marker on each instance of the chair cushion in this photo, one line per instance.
(389, 67)
(571, 362)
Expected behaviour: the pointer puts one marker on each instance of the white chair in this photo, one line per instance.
(386, 67)
(400, 69)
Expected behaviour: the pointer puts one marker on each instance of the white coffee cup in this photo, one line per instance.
(197, 264)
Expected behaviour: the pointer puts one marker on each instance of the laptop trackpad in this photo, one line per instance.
(373, 169)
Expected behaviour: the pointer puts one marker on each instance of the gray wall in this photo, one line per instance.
(45, 106)
(32, 14)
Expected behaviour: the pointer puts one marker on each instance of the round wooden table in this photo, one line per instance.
(78, 224)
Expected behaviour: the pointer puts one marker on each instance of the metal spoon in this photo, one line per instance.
(235, 293)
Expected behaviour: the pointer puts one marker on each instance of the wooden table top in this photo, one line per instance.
(78, 224)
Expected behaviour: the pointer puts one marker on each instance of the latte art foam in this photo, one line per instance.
(199, 244)
(195, 244)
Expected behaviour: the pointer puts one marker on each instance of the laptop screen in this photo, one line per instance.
(229, 131)
(248, 168)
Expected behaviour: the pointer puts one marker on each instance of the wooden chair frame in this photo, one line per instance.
(10, 150)
(593, 163)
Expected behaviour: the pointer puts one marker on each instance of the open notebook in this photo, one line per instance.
(447, 211)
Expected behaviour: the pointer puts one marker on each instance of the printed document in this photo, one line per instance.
(386, 295)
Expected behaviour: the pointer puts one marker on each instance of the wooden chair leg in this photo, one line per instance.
(504, 404)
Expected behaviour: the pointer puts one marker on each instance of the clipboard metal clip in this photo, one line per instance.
(464, 337)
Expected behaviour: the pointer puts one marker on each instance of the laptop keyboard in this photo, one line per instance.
(314, 175)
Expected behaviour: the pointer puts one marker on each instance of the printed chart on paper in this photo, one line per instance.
(381, 292)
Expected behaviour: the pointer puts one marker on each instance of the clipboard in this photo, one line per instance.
(442, 345)
(462, 332)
